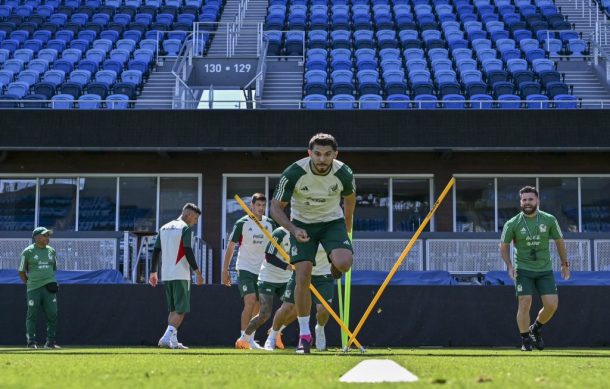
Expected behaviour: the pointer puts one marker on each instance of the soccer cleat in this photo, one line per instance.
(51, 345)
(177, 346)
(32, 345)
(242, 344)
(304, 346)
(536, 337)
(269, 344)
(526, 344)
(165, 343)
(254, 345)
(320, 338)
(278, 341)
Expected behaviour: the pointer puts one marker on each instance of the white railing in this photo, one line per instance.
(233, 31)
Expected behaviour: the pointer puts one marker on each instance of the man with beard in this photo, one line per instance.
(314, 186)
(530, 232)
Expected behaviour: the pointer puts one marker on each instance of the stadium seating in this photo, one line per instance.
(417, 49)
(60, 48)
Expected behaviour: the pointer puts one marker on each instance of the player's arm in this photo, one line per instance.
(277, 213)
(556, 234)
(23, 267)
(226, 278)
(187, 243)
(349, 205)
(507, 237)
(153, 279)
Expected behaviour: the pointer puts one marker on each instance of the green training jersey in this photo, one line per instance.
(530, 236)
(39, 264)
(315, 198)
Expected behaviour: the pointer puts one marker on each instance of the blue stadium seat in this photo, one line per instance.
(425, 101)
(314, 101)
(398, 101)
(565, 101)
(481, 101)
(370, 102)
(509, 101)
(537, 101)
(343, 102)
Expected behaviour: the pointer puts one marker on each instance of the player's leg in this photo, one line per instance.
(182, 303)
(171, 320)
(247, 288)
(49, 304)
(338, 246)
(547, 289)
(285, 314)
(525, 289)
(326, 287)
(266, 305)
(302, 298)
(33, 303)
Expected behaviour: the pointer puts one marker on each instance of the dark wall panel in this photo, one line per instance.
(285, 129)
(458, 316)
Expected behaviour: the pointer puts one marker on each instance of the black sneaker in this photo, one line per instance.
(304, 346)
(536, 338)
(51, 345)
(32, 345)
(526, 344)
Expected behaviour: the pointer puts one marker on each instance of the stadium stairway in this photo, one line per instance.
(283, 82)
(160, 86)
(587, 84)
(246, 42)
(573, 10)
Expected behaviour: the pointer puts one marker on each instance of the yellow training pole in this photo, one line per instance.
(287, 259)
(404, 254)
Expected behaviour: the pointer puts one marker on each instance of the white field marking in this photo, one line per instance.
(378, 370)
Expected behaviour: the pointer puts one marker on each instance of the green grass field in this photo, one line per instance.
(74, 367)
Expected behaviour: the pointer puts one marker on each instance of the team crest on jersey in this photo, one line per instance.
(31, 303)
(333, 189)
(542, 227)
(519, 288)
(245, 288)
(294, 251)
(36, 256)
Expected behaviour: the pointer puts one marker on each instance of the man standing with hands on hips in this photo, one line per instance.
(530, 232)
(37, 270)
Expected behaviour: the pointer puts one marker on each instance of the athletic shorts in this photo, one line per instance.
(533, 282)
(247, 283)
(332, 235)
(271, 288)
(324, 284)
(178, 295)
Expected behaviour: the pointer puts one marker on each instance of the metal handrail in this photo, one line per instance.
(180, 69)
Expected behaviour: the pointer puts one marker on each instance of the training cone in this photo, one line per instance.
(378, 370)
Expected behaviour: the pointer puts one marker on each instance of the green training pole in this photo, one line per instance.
(340, 300)
(348, 293)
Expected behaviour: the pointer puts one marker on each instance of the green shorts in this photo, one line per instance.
(271, 288)
(332, 235)
(325, 285)
(534, 282)
(247, 283)
(178, 294)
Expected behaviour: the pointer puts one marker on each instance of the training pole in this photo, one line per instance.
(344, 304)
(286, 257)
(402, 257)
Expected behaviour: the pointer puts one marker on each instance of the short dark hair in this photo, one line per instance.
(528, 189)
(258, 197)
(191, 207)
(322, 139)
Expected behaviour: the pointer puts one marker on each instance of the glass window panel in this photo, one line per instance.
(411, 200)
(57, 209)
(559, 196)
(595, 204)
(508, 197)
(475, 205)
(138, 203)
(175, 192)
(97, 204)
(244, 187)
(372, 204)
(17, 204)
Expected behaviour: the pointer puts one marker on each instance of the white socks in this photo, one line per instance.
(169, 332)
(304, 325)
(282, 328)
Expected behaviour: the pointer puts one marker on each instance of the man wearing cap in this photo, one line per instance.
(37, 270)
